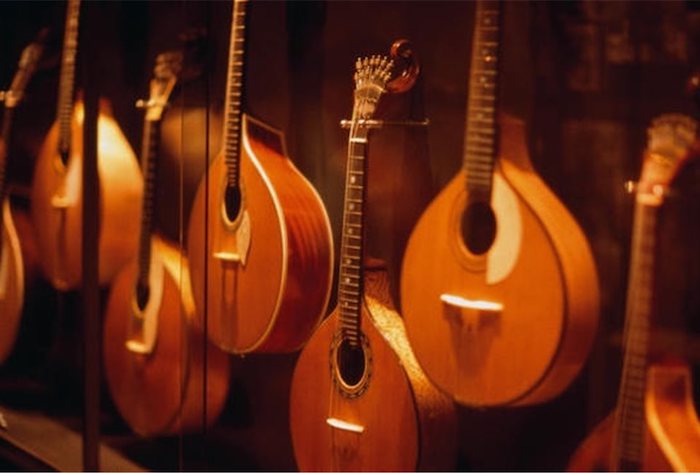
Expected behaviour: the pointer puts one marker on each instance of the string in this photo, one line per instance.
(335, 399)
(629, 433)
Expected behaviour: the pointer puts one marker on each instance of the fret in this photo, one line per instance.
(483, 88)
(476, 108)
(631, 419)
(234, 92)
(488, 98)
(348, 310)
(479, 116)
(67, 79)
(368, 89)
(476, 169)
(351, 273)
(481, 154)
(348, 253)
(149, 155)
(478, 182)
(354, 218)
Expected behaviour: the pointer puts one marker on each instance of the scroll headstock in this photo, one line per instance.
(670, 137)
(165, 75)
(375, 75)
(371, 76)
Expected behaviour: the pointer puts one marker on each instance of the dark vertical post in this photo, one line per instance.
(90, 295)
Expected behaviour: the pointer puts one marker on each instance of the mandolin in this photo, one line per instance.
(259, 239)
(11, 262)
(654, 426)
(154, 358)
(359, 400)
(498, 285)
(56, 192)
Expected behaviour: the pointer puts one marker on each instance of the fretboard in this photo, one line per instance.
(149, 156)
(67, 79)
(6, 125)
(481, 133)
(630, 420)
(234, 93)
(350, 279)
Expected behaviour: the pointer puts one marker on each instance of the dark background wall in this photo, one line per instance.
(586, 77)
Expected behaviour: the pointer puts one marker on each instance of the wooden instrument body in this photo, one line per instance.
(11, 283)
(408, 424)
(275, 295)
(162, 392)
(57, 202)
(539, 269)
(672, 438)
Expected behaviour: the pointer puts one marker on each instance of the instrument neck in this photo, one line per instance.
(5, 137)
(630, 420)
(67, 79)
(350, 279)
(481, 129)
(13, 96)
(234, 93)
(149, 156)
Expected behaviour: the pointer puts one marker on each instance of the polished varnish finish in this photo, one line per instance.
(12, 277)
(359, 400)
(654, 426)
(57, 202)
(181, 384)
(498, 285)
(407, 423)
(57, 186)
(11, 281)
(259, 239)
(671, 433)
(162, 373)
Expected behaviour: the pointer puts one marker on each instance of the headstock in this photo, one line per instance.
(374, 75)
(669, 138)
(371, 76)
(27, 65)
(165, 74)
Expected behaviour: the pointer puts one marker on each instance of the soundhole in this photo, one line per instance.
(142, 293)
(478, 227)
(351, 363)
(232, 202)
(64, 155)
(351, 366)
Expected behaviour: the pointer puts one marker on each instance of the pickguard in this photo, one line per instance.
(506, 247)
(144, 323)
